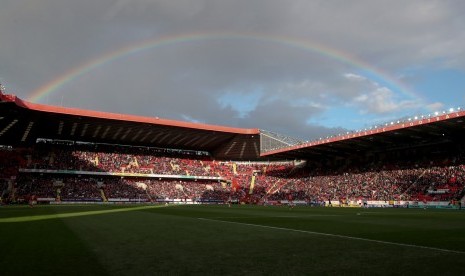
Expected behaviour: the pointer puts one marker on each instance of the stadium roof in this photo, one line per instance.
(22, 123)
(437, 131)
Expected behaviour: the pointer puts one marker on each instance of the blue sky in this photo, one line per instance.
(446, 85)
(371, 61)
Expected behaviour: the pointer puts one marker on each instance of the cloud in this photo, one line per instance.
(216, 80)
(435, 106)
(382, 100)
(354, 77)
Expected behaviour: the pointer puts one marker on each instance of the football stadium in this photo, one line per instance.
(89, 192)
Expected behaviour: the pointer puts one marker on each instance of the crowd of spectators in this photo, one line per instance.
(249, 181)
(133, 160)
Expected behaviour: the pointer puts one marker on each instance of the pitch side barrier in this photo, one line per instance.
(335, 204)
(373, 204)
(167, 200)
(121, 201)
(396, 204)
(436, 205)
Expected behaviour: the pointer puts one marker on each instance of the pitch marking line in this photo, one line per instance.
(389, 213)
(339, 236)
(255, 217)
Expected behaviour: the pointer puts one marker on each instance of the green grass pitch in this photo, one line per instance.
(218, 240)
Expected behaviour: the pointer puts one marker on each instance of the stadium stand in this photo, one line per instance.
(73, 160)
(144, 175)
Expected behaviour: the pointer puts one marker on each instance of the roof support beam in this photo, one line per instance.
(8, 127)
(73, 129)
(105, 132)
(26, 132)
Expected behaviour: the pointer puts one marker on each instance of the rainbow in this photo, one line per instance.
(334, 54)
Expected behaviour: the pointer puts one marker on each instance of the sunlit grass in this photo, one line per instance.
(76, 214)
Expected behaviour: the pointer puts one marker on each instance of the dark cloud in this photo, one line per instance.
(189, 80)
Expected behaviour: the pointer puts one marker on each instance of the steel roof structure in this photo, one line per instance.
(435, 131)
(22, 123)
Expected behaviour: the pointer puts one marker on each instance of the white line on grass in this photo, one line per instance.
(338, 236)
(391, 213)
(306, 216)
